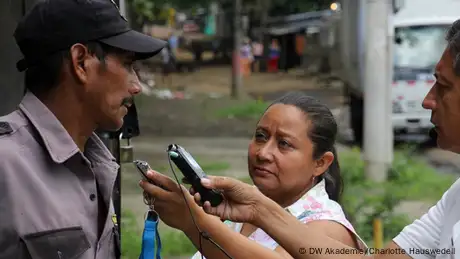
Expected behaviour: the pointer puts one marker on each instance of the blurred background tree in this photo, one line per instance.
(152, 10)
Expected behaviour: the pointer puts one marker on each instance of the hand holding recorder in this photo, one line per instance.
(193, 174)
(170, 200)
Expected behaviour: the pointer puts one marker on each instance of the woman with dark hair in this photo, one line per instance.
(292, 161)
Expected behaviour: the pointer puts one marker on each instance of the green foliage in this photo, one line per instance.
(419, 181)
(364, 200)
(131, 240)
(144, 10)
(249, 110)
(174, 243)
(286, 7)
(214, 167)
(148, 10)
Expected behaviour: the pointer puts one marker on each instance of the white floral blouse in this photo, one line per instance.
(314, 205)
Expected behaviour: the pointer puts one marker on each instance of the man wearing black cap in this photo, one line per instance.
(56, 176)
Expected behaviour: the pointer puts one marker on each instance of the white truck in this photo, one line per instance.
(419, 40)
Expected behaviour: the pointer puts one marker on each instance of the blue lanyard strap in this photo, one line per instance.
(151, 243)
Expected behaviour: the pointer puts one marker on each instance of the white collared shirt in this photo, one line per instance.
(437, 233)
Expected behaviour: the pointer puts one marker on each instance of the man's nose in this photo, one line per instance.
(429, 102)
(135, 85)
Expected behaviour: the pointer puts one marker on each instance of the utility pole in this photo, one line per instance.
(236, 61)
(378, 130)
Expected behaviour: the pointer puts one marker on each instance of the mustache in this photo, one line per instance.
(127, 101)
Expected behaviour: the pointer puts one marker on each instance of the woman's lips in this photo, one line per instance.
(261, 171)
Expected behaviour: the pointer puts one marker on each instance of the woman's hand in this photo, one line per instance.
(240, 199)
(169, 200)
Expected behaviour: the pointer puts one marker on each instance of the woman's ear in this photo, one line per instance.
(323, 163)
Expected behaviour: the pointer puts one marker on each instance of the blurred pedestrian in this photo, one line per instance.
(246, 57)
(173, 42)
(258, 51)
(274, 56)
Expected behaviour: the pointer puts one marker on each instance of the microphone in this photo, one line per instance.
(433, 134)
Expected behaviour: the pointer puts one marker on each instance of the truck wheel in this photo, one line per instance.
(357, 119)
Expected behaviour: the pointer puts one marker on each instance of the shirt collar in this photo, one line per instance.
(54, 136)
(317, 192)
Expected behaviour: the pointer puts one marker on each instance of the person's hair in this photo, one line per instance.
(453, 43)
(322, 132)
(45, 76)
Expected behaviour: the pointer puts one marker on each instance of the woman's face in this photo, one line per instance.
(280, 154)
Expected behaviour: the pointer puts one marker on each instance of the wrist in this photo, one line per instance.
(265, 210)
(199, 218)
(189, 227)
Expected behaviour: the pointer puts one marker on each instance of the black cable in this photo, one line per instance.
(202, 234)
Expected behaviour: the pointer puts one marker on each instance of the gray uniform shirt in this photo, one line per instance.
(49, 190)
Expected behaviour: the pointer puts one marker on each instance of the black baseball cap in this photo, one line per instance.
(55, 25)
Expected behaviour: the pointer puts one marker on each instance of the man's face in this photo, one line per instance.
(443, 100)
(109, 87)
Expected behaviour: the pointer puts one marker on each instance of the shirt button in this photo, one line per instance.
(92, 196)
